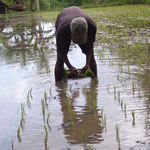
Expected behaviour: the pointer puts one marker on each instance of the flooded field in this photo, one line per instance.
(109, 113)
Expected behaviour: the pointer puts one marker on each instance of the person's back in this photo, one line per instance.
(67, 15)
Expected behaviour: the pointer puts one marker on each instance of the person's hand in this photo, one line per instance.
(86, 67)
(73, 72)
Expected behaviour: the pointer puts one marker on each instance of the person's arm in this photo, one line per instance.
(63, 45)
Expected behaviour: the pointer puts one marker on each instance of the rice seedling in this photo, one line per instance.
(72, 123)
(29, 95)
(108, 88)
(91, 148)
(50, 92)
(120, 68)
(46, 137)
(133, 87)
(125, 110)
(122, 105)
(43, 109)
(133, 116)
(117, 136)
(47, 120)
(70, 88)
(18, 134)
(45, 97)
(119, 96)
(118, 76)
(83, 135)
(22, 114)
(12, 144)
(104, 123)
(89, 73)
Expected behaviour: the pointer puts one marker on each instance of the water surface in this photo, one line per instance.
(76, 106)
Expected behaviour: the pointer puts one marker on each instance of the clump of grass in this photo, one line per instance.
(117, 135)
(89, 73)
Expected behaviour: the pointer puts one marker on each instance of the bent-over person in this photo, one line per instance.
(74, 24)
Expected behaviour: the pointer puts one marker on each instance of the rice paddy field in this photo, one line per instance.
(110, 113)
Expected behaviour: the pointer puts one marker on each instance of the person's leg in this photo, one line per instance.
(59, 70)
(93, 66)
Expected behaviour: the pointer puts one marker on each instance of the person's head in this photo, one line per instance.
(79, 29)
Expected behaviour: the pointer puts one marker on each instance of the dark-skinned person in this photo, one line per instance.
(73, 24)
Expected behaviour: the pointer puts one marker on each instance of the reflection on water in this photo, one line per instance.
(83, 112)
(86, 119)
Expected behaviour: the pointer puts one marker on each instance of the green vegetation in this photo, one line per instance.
(117, 136)
(89, 73)
(133, 116)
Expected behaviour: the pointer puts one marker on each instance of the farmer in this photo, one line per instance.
(74, 24)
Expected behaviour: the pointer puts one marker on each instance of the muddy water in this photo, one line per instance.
(83, 112)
